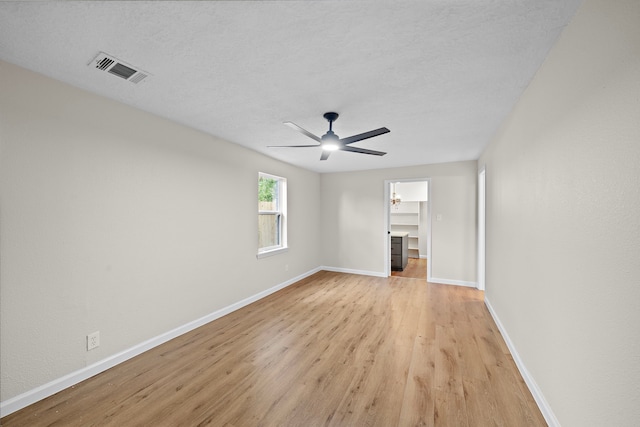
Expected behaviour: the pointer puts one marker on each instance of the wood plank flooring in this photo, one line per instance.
(331, 350)
(416, 269)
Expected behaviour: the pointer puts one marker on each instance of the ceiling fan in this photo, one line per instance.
(330, 141)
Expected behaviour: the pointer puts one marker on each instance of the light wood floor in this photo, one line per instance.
(332, 350)
(416, 269)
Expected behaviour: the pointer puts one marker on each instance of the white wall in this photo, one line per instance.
(563, 220)
(353, 219)
(412, 191)
(119, 221)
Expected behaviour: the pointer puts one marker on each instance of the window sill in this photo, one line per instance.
(271, 252)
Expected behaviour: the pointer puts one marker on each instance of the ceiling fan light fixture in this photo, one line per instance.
(330, 141)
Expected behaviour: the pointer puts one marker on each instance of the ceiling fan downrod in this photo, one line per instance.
(331, 117)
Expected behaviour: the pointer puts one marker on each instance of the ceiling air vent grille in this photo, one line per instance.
(104, 63)
(112, 65)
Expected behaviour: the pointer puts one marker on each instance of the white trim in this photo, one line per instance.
(25, 399)
(482, 229)
(430, 227)
(271, 252)
(548, 414)
(387, 228)
(452, 282)
(423, 257)
(351, 271)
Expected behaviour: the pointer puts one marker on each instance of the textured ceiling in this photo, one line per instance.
(441, 75)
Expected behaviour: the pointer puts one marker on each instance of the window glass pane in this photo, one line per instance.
(268, 230)
(268, 194)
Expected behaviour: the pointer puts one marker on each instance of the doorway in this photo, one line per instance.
(407, 217)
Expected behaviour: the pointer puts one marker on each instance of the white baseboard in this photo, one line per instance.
(548, 414)
(423, 257)
(452, 282)
(351, 271)
(25, 399)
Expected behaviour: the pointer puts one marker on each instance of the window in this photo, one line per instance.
(272, 210)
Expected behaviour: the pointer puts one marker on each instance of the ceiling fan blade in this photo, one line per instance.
(292, 146)
(325, 155)
(302, 131)
(362, 151)
(360, 137)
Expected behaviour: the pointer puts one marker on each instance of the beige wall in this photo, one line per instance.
(353, 223)
(119, 221)
(563, 220)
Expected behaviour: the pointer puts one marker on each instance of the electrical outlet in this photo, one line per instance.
(93, 340)
(286, 267)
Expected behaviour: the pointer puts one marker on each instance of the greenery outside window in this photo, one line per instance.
(272, 225)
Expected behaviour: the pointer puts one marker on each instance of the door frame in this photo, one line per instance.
(482, 231)
(387, 222)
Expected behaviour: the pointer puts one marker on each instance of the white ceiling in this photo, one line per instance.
(441, 75)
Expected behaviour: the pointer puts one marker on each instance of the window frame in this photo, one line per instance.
(281, 216)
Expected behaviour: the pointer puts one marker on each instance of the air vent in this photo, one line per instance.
(112, 65)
